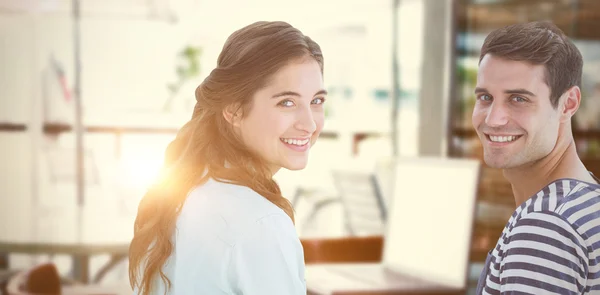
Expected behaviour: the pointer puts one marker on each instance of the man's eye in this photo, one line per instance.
(484, 97)
(519, 99)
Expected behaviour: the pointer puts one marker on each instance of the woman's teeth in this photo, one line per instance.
(298, 142)
(503, 138)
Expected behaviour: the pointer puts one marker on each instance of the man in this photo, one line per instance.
(528, 89)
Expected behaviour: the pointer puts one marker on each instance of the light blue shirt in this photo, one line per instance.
(231, 240)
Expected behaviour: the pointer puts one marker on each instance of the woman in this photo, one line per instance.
(216, 222)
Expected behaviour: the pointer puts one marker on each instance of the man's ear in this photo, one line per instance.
(569, 103)
(233, 114)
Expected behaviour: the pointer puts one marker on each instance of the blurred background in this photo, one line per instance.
(400, 76)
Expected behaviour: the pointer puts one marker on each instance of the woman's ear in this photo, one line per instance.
(233, 114)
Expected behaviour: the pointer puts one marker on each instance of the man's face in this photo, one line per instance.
(513, 115)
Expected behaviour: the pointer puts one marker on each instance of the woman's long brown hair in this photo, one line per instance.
(201, 148)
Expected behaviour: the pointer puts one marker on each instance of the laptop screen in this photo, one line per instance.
(430, 218)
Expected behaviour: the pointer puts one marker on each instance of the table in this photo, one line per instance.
(80, 253)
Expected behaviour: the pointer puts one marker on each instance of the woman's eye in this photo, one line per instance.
(318, 100)
(286, 103)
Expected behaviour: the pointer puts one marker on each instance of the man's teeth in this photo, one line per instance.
(503, 138)
(299, 142)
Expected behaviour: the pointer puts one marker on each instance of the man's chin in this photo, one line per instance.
(497, 163)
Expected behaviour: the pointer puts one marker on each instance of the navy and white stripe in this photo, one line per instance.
(550, 245)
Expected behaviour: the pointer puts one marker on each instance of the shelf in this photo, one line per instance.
(57, 128)
(12, 127)
(579, 19)
(463, 132)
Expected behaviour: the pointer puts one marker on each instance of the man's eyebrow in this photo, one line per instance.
(292, 93)
(509, 91)
(479, 90)
(519, 91)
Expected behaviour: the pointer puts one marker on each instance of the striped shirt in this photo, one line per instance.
(550, 245)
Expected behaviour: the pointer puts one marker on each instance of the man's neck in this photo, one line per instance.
(562, 162)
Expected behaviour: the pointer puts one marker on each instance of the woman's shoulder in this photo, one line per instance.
(234, 207)
(220, 194)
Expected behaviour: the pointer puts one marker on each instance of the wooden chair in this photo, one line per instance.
(41, 279)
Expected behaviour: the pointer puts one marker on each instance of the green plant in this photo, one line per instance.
(188, 67)
(466, 78)
(466, 75)
(593, 149)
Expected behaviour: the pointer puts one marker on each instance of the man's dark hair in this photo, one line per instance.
(539, 43)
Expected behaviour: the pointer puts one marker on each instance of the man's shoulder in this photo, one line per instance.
(550, 242)
(571, 202)
(564, 197)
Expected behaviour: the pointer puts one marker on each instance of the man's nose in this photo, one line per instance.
(497, 115)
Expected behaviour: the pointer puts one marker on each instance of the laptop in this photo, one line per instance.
(427, 237)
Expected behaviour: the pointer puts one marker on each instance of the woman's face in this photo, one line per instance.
(286, 116)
